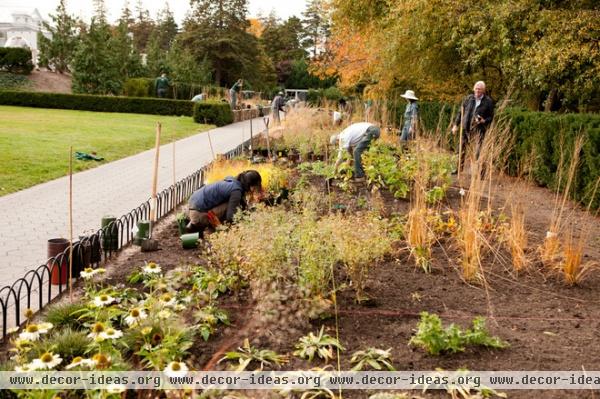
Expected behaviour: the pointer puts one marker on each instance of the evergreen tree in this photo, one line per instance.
(316, 26)
(166, 27)
(156, 58)
(57, 52)
(217, 29)
(185, 69)
(95, 70)
(142, 27)
(124, 53)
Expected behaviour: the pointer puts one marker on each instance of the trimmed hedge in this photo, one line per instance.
(213, 112)
(537, 151)
(541, 137)
(138, 87)
(85, 102)
(16, 60)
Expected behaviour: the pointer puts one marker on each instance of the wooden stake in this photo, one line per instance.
(153, 203)
(174, 175)
(268, 145)
(212, 151)
(71, 224)
(460, 140)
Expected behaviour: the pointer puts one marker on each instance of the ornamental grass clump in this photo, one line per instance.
(307, 130)
(517, 238)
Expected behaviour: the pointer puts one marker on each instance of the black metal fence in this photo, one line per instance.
(36, 289)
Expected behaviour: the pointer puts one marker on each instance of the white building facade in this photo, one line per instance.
(22, 31)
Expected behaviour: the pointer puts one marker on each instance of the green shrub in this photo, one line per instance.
(16, 60)
(11, 81)
(541, 138)
(138, 87)
(213, 112)
(86, 102)
(435, 339)
(66, 315)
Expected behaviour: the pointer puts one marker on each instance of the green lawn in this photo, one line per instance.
(34, 142)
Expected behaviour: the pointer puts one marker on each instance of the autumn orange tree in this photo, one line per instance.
(440, 47)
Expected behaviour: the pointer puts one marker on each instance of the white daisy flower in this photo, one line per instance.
(103, 300)
(186, 299)
(24, 369)
(462, 192)
(87, 273)
(116, 388)
(80, 362)
(163, 314)
(97, 331)
(12, 330)
(31, 333)
(136, 315)
(45, 327)
(176, 369)
(151, 268)
(101, 361)
(168, 300)
(46, 361)
(111, 333)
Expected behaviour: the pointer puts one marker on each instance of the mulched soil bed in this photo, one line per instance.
(549, 326)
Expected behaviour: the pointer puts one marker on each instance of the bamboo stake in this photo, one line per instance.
(266, 120)
(174, 201)
(212, 151)
(71, 224)
(153, 203)
(460, 138)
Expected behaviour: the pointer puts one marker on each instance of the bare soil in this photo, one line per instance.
(549, 326)
(51, 82)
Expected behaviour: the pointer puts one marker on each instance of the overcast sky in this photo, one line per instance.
(84, 8)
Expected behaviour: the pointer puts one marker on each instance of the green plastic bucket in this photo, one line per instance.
(190, 240)
(110, 237)
(143, 232)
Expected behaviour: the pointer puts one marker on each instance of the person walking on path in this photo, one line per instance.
(475, 117)
(217, 202)
(355, 139)
(411, 117)
(233, 92)
(276, 106)
(162, 85)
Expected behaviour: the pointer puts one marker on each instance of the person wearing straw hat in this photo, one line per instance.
(217, 202)
(411, 117)
(355, 139)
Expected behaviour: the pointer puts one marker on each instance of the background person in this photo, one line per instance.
(277, 105)
(199, 97)
(355, 139)
(162, 85)
(221, 200)
(233, 92)
(477, 114)
(411, 117)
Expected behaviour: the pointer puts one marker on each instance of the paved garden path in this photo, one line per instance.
(30, 217)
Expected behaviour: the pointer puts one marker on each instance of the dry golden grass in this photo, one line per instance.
(571, 267)
(419, 234)
(550, 248)
(517, 238)
(273, 177)
(307, 130)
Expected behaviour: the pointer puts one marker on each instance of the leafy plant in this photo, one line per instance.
(321, 345)
(208, 318)
(435, 339)
(66, 315)
(373, 357)
(248, 354)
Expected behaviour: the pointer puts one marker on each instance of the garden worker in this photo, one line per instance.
(276, 106)
(199, 97)
(162, 85)
(233, 92)
(355, 139)
(411, 117)
(217, 202)
(476, 115)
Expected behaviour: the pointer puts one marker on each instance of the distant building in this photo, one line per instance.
(22, 31)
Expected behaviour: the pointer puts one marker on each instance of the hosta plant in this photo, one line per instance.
(378, 359)
(248, 354)
(321, 345)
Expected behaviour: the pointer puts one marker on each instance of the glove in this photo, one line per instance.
(213, 219)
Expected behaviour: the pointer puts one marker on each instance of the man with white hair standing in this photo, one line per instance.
(476, 115)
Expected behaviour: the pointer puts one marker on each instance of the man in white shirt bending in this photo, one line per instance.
(355, 139)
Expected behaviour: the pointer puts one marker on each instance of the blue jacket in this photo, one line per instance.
(212, 195)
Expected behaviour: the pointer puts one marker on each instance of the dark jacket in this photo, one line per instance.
(485, 111)
(211, 195)
(278, 104)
